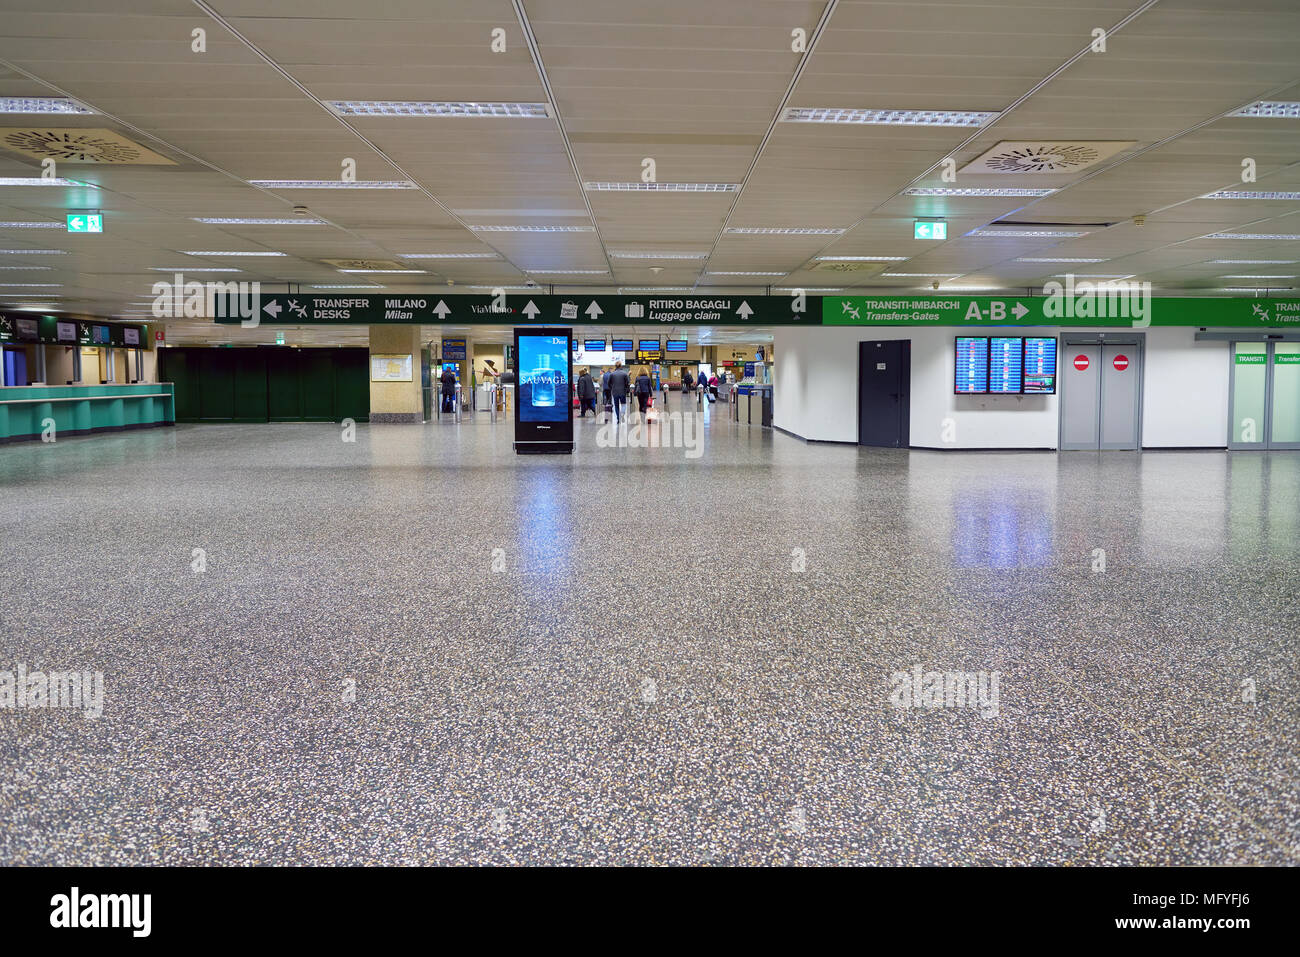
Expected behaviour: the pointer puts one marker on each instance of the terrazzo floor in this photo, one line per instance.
(420, 648)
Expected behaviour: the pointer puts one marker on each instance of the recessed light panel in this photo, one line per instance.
(806, 114)
(417, 108)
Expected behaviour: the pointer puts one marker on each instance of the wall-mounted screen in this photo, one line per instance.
(1040, 366)
(67, 332)
(676, 345)
(1005, 354)
(648, 350)
(972, 375)
(621, 345)
(593, 345)
(100, 336)
(131, 336)
(544, 378)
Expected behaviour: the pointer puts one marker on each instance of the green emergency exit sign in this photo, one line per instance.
(930, 229)
(85, 222)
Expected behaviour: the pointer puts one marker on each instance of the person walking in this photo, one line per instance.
(586, 393)
(604, 388)
(687, 383)
(448, 390)
(618, 389)
(644, 389)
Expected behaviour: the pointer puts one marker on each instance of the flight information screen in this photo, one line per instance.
(972, 365)
(622, 345)
(1005, 355)
(1040, 366)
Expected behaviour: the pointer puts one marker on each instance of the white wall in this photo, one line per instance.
(1185, 401)
(1185, 391)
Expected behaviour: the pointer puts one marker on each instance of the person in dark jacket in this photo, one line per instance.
(448, 390)
(586, 393)
(618, 389)
(644, 389)
(687, 383)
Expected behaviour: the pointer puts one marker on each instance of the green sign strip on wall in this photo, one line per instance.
(521, 308)
(1286, 358)
(1101, 309)
(1251, 359)
(1078, 306)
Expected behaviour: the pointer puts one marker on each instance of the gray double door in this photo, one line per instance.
(1101, 394)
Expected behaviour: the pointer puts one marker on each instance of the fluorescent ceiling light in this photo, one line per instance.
(1283, 236)
(1251, 194)
(976, 191)
(624, 254)
(33, 252)
(345, 286)
(810, 114)
(41, 104)
(987, 232)
(1093, 275)
(722, 273)
(448, 256)
(231, 221)
(420, 272)
(1057, 259)
(639, 187)
(332, 184)
(1256, 262)
(192, 269)
(216, 254)
(509, 288)
(810, 288)
(862, 259)
(568, 272)
(31, 285)
(1257, 277)
(418, 108)
(36, 307)
(972, 288)
(1271, 109)
(918, 275)
(623, 289)
(533, 229)
(1253, 288)
(33, 226)
(42, 181)
(24, 268)
(785, 230)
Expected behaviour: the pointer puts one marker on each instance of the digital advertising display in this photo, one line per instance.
(972, 371)
(621, 345)
(1040, 366)
(1005, 354)
(543, 373)
(676, 345)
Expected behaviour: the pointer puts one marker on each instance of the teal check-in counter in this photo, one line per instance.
(84, 409)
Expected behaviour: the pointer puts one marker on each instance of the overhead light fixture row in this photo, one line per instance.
(1270, 109)
(42, 105)
(234, 221)
(639, 187)
(533, 229)
(333, 184)
(824, 114)
(423, 109)
(42, 181)
(978, 191)
(214, 255)
(785, 231)
(1252, 194)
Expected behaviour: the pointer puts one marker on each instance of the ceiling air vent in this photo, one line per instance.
(364, 264)
(97, 147)
(846, 266)
(1051, 156)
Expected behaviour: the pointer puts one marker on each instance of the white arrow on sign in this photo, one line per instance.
(273, 309)
(441, 309)
(1019, 311)
(77, 222)
(531, 310)
(594, 310)
(744, 311)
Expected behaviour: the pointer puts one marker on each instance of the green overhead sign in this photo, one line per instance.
(668, 309)
(85, 222)
(1083, 305)
(1083, 308)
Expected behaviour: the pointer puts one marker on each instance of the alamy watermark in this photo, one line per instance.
(919, 688)
(667, 430)
(179, 299)
(83, 690)
(1109, 299)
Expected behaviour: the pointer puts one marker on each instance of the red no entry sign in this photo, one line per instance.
(1081, 362)
(1121, 363)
